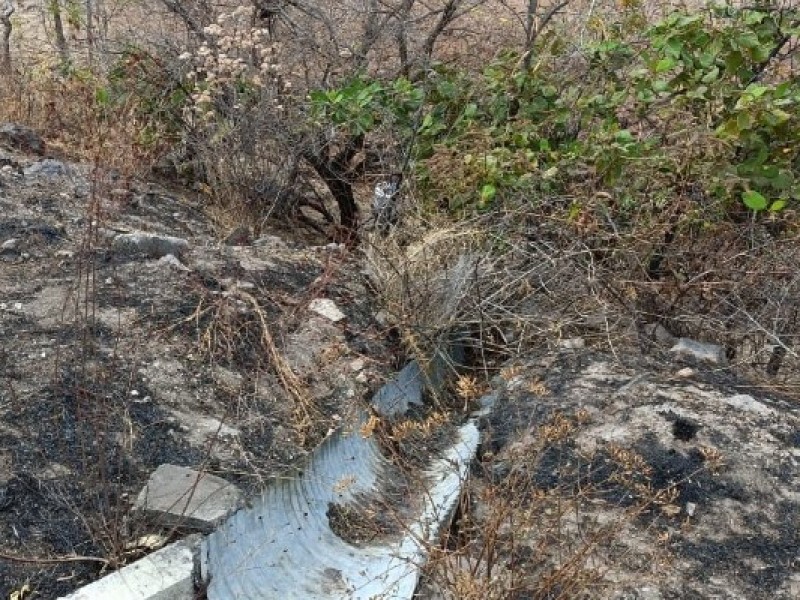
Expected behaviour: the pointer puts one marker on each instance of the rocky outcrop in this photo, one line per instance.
(615, 477)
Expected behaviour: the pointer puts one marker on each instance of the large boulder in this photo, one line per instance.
(21, 137)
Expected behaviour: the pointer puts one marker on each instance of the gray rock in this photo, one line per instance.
(702, 351)
(21, 137)
(10, 245)
(239, 236)
(270, 240)
(48, 167)
(172, 261)
(657, 332)
(149, 244)
(182, 497)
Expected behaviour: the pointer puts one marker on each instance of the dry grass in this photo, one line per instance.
(521, 534)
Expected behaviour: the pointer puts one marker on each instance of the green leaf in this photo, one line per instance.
(748, 39)
(711, 76)
(673, 47)
(744, 121)
(665, 64)
(778, 205)
(660, 85)
(101, 96)
(707, 58)
(623, 136)
(755, 90)
(734, 61)
(488, 192)
(754, 201)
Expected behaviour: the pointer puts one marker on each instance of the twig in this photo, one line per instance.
(55, 560)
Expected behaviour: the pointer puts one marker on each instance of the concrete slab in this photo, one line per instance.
(164, 575)
(182, 497)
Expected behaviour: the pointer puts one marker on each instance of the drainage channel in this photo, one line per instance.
(283, 544)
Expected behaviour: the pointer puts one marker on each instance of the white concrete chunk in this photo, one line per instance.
(163, 575)
(327, 308)
(179, 496)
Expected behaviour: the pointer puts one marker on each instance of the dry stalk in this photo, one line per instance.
(56, 560)
(304, 406)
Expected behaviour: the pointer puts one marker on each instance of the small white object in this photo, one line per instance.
(702, 351)
(18, 306)
(325, 307)
(691, 507)
(572, 343)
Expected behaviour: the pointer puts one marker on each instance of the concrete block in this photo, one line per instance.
(164, 575)
(182, 497)
(149, 244)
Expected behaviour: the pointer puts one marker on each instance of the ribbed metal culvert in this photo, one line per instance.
(283, 547)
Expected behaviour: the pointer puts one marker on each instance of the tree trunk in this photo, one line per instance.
(5, 46)
(58, 23)
(535, 24)
(89, 32)
(335, 172)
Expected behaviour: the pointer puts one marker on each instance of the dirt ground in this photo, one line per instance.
(112, 364)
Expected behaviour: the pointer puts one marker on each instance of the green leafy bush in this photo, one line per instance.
(700, 100)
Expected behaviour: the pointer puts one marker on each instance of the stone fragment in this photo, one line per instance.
(572, 343)
(239, 236)
(172, 261)
(270, 240)
(21, 137)
(701, 351)
(325, 307)
(48, 167)
(10, 245)
(149, 244)
(181, 497)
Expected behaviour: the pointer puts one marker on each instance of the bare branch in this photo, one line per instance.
(5, 47)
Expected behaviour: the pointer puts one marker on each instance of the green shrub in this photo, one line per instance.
(695, 101)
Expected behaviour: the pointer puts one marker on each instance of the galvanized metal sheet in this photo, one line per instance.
(283, 547)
